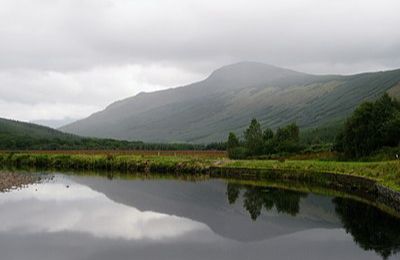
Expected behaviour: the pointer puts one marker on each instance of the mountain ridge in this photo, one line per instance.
(225, 101)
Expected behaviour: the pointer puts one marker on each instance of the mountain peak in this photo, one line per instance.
(247, 65)
(252, 73)
(208, 110)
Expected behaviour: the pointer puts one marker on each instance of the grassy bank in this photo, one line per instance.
(386, 173)
(111, 162)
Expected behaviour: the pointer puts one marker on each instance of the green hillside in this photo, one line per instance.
(15, 135)
(229, 98)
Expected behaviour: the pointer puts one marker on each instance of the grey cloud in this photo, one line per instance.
(182, 37)
(82, 34)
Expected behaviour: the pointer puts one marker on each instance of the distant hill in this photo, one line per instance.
(226, 101)
(18, 128)
(21, 135)
(16, 135)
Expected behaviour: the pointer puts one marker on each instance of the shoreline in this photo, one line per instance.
(355, 185)
(378, 181)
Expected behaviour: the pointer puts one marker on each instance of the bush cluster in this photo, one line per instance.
(258, 142)
(372, 126)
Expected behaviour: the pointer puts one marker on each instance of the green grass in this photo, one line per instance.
(386, 173)
(123, 163)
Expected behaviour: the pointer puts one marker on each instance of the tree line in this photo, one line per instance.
(372, 127)
(26, 142)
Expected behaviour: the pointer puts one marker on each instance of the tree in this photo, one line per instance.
(253, 136)
(281, 135)
(372, 126)
(268, 139)
(287, 138)
(290, 133)
(233, 141)
(268, 134)
(392, 131)
(235, 151)
(293, 132)
(258, 142)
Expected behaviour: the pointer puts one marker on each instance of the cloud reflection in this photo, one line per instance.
(65, 206)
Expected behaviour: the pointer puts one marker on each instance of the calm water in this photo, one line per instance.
(81, 217)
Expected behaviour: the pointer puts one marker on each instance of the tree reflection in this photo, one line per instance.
(232, 191)
(256, 198)
(253, 202)
(371, 228)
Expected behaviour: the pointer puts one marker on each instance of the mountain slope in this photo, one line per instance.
(17, 128)
(54, 123)
(227, 100)
(16, 135)
(21, 135)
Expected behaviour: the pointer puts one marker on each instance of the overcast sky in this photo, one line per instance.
(69, 58)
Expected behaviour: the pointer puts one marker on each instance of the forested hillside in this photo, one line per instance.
(15, 135)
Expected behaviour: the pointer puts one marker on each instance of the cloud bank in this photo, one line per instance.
(70, 58)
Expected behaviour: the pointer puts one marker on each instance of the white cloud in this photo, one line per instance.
(33, 95)
(44, 111)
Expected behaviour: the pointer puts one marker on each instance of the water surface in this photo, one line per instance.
(91, 217)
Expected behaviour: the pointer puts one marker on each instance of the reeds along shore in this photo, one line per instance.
(123, 163)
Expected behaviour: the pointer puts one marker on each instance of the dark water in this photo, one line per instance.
(81, 217)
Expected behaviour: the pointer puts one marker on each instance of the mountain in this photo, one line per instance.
(207, 202)
(20, 135)
(17, 128)
(54, 123)
(16, 135)
(229, 98)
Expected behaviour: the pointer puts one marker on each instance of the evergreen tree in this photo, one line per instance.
(268, 139)
(233, 141)
(254, 138)
(268, 134)
(287, 138)
(293, 133)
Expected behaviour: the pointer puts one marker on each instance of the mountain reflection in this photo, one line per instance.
(371, 228)
(256, 198)
(66, 206)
